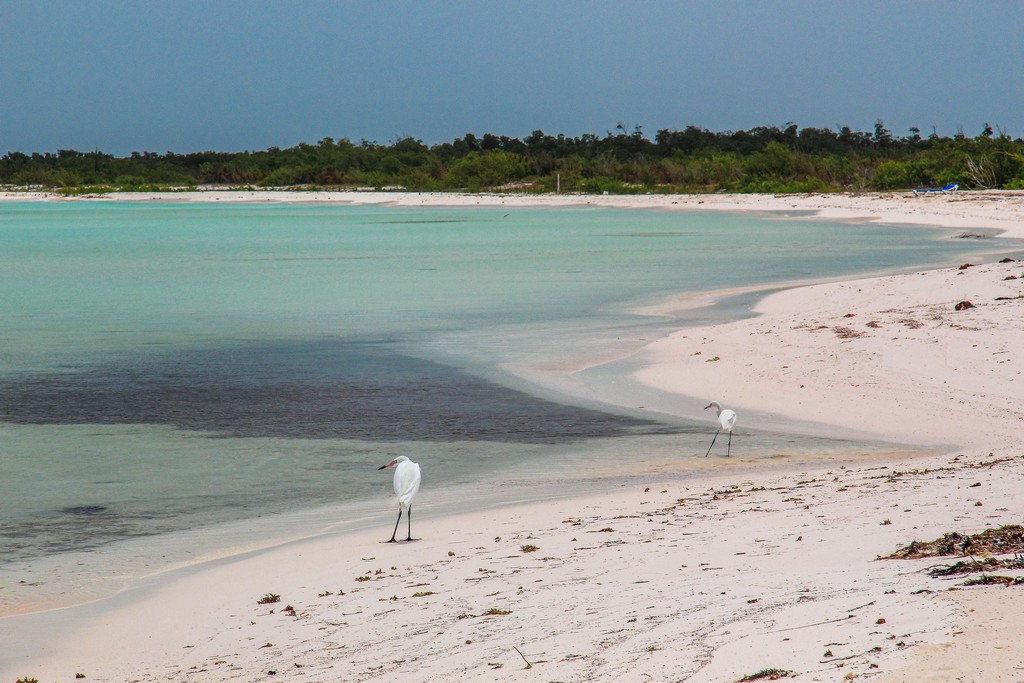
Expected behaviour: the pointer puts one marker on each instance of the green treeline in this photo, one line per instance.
(762, 159)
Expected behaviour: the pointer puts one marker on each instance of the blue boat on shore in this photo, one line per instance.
(952, 187)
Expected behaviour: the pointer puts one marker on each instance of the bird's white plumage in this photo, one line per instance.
(406, 483)
(726, 416)
(407, 480)
(726, 422)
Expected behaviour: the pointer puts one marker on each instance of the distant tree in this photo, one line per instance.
(479, 170)
(760, 159)
(882, 136)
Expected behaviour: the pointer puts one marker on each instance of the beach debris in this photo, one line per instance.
(712, 360)
(846, 332)
(528, 548)
(79, 675)
(1007, 259)
(765, 675)
(496, 612)
(965, 266)
(963, 306)
(289, 610)
(1010, 277)
(528, 665)
(269, 599)
(974, 566)
(451, 553)
(992, 579)
(1000, 541)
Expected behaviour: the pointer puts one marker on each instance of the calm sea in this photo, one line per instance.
(171, 372)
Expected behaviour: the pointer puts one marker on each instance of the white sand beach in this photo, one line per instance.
(992, 209)
(708, 578)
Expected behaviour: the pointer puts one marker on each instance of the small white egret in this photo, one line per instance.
(407, 483)
(726, 421)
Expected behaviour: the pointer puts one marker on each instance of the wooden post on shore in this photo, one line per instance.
(558, 183)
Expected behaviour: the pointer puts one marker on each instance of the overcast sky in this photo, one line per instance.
(231, 75)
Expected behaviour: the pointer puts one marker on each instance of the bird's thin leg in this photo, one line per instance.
(396, 526)
(730, 445)
(712, 444)
(408, 518)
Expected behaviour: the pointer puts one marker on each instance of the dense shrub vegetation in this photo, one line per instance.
(763, 159)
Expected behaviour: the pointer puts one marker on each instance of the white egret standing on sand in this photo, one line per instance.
(726, 421)
(407, 483)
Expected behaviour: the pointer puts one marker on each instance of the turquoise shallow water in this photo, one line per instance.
(167, 367)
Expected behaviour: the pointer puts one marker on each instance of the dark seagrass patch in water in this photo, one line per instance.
(323, 389)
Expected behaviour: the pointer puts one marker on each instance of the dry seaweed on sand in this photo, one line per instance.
(846, 332)
(974, 566)
(1005, 539)
(994, 580)
(766, 675)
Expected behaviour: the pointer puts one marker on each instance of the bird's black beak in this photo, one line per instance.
(382, 467)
